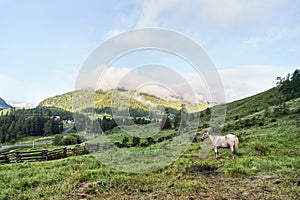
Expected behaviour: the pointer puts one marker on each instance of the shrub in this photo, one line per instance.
(69, 140)
(260, 124)
(150, 140)
(136, 141)
(144, 144)
(57, 139)
(61, 140)
(260, 148)
(125, 141)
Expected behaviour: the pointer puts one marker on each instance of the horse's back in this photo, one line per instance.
(230, 137)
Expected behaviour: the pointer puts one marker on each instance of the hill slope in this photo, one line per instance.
(121, 99)
(286, 90)
(3, 104)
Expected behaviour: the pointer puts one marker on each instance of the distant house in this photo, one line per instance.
(56, 118)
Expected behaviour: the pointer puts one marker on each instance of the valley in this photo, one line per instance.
(266, 167)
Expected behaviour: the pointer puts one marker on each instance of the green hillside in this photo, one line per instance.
(277, 100)
(118, 99)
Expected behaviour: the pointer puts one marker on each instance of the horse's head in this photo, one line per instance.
(204, 136)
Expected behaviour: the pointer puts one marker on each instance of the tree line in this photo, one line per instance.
(40, 121)
(289, 85)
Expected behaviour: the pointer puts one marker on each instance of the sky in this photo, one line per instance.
(43, 44)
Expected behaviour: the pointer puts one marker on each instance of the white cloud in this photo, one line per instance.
(243, 81)
(208, 21)
(111, 78)
(113, 32)
(227, 15)
(238, 82)
(159, 81)
(255, 22)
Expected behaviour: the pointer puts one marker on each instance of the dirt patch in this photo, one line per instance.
(267, 178)
(86, 190)
(202, 170)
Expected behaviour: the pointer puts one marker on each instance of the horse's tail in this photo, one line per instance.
(236, 144)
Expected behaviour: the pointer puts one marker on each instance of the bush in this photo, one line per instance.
(69, 140)
(136, 141)
(57, 139)
(125, 141)
(260, 148)
(61, 140)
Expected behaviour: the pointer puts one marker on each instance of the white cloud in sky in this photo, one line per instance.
(230, 15)
(212, 21)
(243, 81)
(162, 82)
(238, 82)
(111, 77)
(114, 32)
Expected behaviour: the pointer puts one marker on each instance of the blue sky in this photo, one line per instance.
(44, 43)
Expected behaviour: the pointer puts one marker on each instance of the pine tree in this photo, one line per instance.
(166, 123)
(48, 128)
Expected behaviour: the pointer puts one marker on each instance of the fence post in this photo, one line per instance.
(6, 158)
(18, 157)
(74, 151)
(65, 152)
(85, 148)
(45, 154)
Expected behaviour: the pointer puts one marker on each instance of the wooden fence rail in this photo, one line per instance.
(41, 155)
(98, 147)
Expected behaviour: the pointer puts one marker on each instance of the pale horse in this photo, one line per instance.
(226, 141)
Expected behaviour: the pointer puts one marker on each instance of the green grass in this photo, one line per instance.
(268, 166)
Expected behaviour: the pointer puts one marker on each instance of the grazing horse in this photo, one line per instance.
(226, 141)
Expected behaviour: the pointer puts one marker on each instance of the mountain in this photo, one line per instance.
(4, 105)
(20, 104)
(287, 89)
(119, 99)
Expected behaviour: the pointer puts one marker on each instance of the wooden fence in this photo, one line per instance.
(98, 147)
(41, 155)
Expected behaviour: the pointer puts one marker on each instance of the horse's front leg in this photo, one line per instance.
(216, 152)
